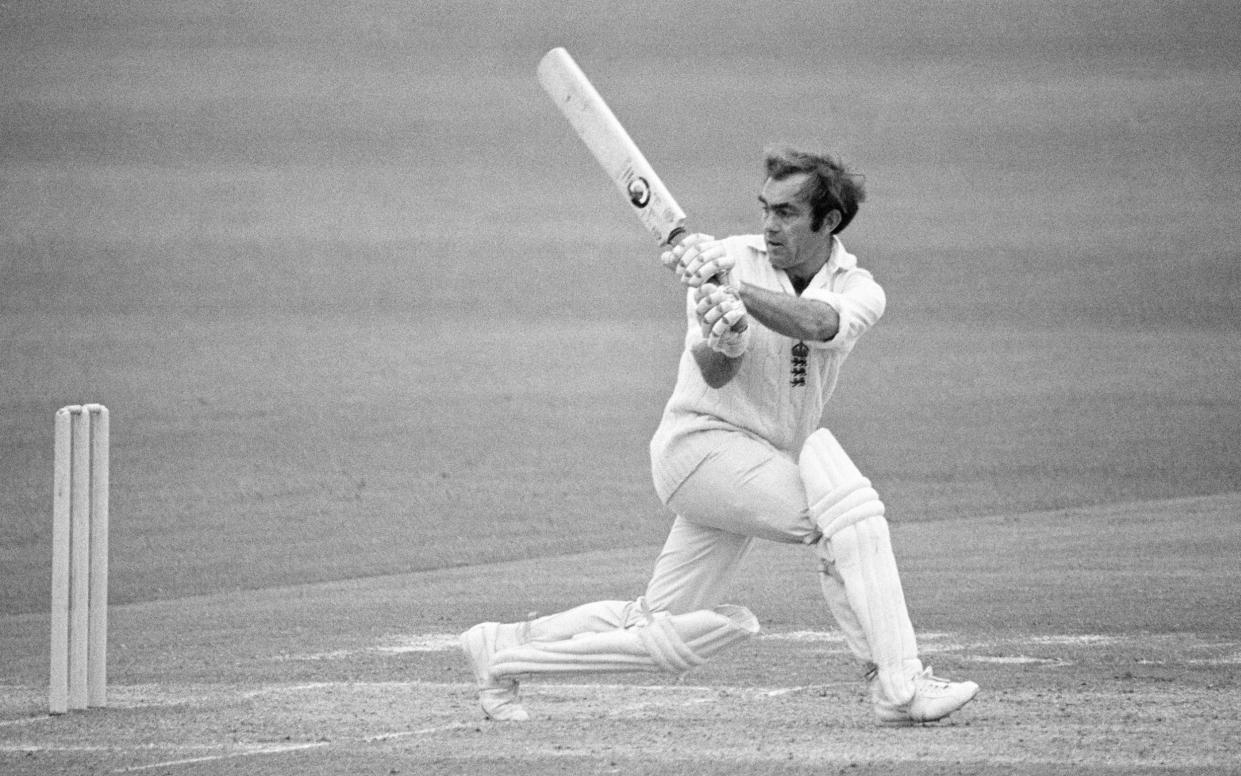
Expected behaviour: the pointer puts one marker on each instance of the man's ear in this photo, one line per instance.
(831, 221)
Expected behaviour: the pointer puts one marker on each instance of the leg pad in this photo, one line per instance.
(672, 643)
(861, 555)
(859, 574)
(836, 491)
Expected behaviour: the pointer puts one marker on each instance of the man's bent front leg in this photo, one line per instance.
(857, 560)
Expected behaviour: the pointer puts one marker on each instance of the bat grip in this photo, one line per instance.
(680, 233)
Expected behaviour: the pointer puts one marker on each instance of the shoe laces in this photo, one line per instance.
(928, 678)
(924, 677)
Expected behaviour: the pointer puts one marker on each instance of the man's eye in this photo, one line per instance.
(782, 213)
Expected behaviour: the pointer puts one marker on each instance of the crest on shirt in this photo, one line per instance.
(801, 352)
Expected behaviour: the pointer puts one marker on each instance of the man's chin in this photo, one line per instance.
(779, 259)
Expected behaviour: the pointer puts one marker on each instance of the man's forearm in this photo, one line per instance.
(717, 369)
(803, 319)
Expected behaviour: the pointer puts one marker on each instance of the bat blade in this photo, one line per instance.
(603, 134)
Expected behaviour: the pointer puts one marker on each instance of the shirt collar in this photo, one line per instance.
(840, 259)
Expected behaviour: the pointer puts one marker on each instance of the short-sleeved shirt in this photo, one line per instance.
(782, 385)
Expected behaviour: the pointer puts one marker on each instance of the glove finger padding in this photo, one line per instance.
(669, 259)
(731, 315)
(716, 309)
(726, 327)
(674, 258)
(714, 303)
(723, 318)
(710, 296)
(705, 262)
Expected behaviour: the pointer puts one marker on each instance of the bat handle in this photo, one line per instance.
(680, 233)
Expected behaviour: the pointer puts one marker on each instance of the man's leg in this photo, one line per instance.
(863, 587)
(499, 695)
(678, 625)
(695, 568)
(746, 489)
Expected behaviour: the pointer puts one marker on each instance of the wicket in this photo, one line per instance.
(80, 559)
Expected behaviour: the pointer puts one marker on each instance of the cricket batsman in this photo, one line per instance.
(739, 456)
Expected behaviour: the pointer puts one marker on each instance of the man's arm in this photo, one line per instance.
(717, 368)
(725, 327)
(803, 319)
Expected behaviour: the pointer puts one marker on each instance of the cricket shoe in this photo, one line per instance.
(934, 699)
(497, 697)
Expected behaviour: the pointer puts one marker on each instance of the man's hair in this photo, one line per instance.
(830, 185)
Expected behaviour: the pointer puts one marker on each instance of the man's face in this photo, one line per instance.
(791, 244)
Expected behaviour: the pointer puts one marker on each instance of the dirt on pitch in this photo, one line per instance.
(1084, 669)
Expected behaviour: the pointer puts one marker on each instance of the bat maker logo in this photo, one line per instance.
(639, 192)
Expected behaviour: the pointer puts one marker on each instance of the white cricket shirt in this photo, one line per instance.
(771, 397)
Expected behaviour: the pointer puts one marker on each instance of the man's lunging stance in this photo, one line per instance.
(739, 456)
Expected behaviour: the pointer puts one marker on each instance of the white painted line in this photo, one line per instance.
(814, 637)
(1016, 660)
(393, 645)
(932, 642)
(1084, 639)
(783, 691)
(448, 642)
(442, 642)
(243, 751)
(37, 749)
(26, 720)
(411, 733)
(288, 688)
(258, 750)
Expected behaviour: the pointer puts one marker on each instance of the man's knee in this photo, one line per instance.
(750, 490)
(660, 642)
(837, 493)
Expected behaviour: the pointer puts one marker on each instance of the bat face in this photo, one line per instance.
(603, 134)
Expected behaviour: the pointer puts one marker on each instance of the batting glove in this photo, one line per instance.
(723, 317)
(674, 258)
(707, 262)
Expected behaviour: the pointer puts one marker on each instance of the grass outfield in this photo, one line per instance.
(383, 352)
(360, 303)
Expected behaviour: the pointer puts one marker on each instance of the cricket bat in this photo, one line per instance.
(611, 145)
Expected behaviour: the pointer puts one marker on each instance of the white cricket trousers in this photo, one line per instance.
(744, 490)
